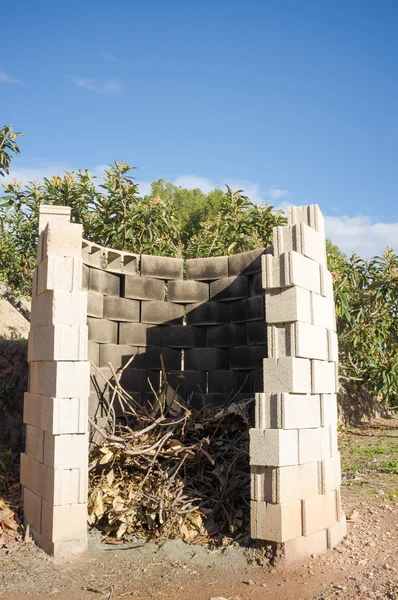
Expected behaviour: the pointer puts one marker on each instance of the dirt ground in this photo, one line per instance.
(364, 566)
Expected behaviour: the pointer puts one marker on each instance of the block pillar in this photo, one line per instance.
(295, 463)
(54, 467)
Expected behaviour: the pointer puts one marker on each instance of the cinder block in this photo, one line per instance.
(59, 307)
(131, 263)
(295, 482)
(94, 255)
(326, 288)
(262, 483)
(188, 382)
(55, 415)
(288, 374)
(262, 410)
(280, 340)
(32, 509)
(251, 309)
(105, 283)
(206, 269)
(139, 334)
(93, 353)
(208, 313)
(59, 273)
(333, 348)
(121, 309)
(144, 288)
(311, 215)
(333, 439)
(329, 415)
(229, 382)
(325, 441)
(246, 357)
(256, 284)
(34, 442)
(60, 379)
(309, 341)
(95, 304)
(230, 288)
(198, 401)
(62, 523)
(291, 268)
(186, 292)
(54, 214)
(206, 359)
(85, 277)
(257, 333)
(183, 336)
(58, 342)
(162, 313)
(68, 451)
(323, 311)
(330, 474)
(245, 262)
(113, 260)
(300, 411)
(224, 336)
(102, 331)
(288, 305)
(140, 380)
(273, 447)
(319, 513)
(310, 445)
(300, 238)
(323, 377)
(337, 532)
(116, 354)
(302, 548)
(276, 522)
(150, 358)
(161, 267)
(60, 239)
(59, 550)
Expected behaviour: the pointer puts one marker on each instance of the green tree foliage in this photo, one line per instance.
(8, 146)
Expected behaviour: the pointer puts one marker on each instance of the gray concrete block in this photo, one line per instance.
(104, 283)
(131, 263)
(208, 313)
(140, 380)
(102, 331)
(187, 382)
(139, 334)
(102, 388)
(246, 357)
(224, 336)
(230, 288)
(183, 336)
(97, 408)
(144, 288)
(206, 269)
(257, 333)
(199, 401)
(162, 312)
(245, 262)
(95, 304)
(85, 277)
(121, 309)
(228, 382)
(116, 354)
(150, 358)
(93, 352)
(252, 309)
(205, 359)
(161, 267)
(256, 284)
(185, 292)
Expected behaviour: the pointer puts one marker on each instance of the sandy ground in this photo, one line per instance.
(364, 566)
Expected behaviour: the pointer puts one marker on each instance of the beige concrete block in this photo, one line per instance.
(54, 214)
(326, 282)
(330, 471)
(333, 439)
(59, 307)
(319, 513)
(302, 548)
(337, 532)
(309, 445)
(323, 377)
(324, 434)
(288, 269)
(276, 522)
(287, 375)
(60, 379)
(300, 238)
(323, 311)
(273, 447)
(279, 340)
(61, 239)
(310, 214)
(58, 342)
(309, 341)
(300, 411)
(56, 415)
(262, 483)
(261, 409)
(333, 347)
(69, 451)
(32, 509)
(295, 482)
(34, 443)
(61, 550)
(288, 305)
(66, 522)
(59, 272)
(329, 415)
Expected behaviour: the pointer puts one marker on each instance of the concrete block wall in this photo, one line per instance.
(54, 466)
(295, 463)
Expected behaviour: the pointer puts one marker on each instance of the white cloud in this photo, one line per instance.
(108, 56)
(361, 234)
(5, 78)
(106, 87)
(276, 193)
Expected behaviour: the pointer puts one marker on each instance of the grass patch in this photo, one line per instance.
(389, 467)
(370, 451)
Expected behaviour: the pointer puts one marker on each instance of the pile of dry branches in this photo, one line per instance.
(171, 470)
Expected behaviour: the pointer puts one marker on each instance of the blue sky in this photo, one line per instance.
(295, 101)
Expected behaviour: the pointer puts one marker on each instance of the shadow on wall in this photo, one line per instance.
(209, 327)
